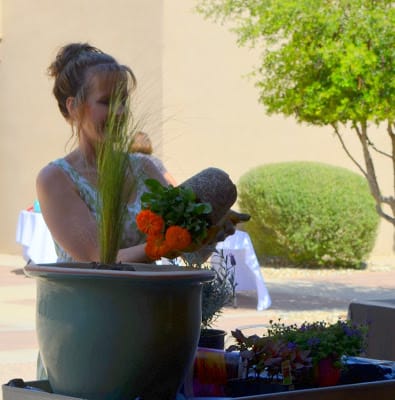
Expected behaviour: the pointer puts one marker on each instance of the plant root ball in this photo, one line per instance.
(212, 185)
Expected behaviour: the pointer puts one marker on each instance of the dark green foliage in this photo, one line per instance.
(177, 206)
(309, 214)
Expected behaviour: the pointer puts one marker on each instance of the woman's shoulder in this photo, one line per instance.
(49, 170)
(139, 162)
(51, 176)
(145, 166)
(54, 171)
(147, 161)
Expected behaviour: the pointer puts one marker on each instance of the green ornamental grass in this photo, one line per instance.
(114, 187)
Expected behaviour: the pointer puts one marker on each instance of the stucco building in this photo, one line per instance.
(192, 96)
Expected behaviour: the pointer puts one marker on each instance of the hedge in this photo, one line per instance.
(309, 214)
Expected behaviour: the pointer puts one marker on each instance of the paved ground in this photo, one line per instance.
(297, 295)
(302, 295)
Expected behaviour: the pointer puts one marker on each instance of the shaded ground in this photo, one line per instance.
(323, 296)
(304, 295)
(297, 296)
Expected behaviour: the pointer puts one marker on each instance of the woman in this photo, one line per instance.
(66, 188)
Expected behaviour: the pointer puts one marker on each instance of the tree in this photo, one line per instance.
(326, 63)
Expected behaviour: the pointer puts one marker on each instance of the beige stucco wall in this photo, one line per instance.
(1, 19)
(32, 130)
(217, 120)
(196, 104)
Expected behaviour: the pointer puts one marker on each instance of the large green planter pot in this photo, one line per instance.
(117, 334)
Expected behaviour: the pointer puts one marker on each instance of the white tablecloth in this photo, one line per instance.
(248, 274)
(33, 234)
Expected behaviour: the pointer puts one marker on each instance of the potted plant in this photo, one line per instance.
(308, 355)
(216, 294)
(98, 323)
(175, 223)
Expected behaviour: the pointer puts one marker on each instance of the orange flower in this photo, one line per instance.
(149, 223)
(178, 238)
(156, 247)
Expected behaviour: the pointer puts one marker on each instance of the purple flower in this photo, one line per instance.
(313, 341)
(348, 331)
(291, 346)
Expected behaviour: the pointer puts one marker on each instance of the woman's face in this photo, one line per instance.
(96, 108)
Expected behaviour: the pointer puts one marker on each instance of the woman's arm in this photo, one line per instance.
(133, 254)
(68, 218)
(70, 221)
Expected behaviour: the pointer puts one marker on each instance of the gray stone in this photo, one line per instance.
(212, 185)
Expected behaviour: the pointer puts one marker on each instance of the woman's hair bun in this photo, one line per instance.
(67, 53)
(71, 68)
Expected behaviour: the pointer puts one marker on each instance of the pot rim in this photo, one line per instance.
(137, 271)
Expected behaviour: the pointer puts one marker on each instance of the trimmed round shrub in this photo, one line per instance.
(309, 214)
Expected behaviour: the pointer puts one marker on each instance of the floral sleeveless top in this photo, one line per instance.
(131, 235)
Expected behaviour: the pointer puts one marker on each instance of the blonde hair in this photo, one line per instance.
(141, 143)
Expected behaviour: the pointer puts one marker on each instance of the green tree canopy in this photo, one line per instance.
(324, 62)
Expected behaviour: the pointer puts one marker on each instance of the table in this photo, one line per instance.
(248, 274)
(380, 315)
(33, 234)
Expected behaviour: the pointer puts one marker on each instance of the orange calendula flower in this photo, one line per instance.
(156, 247)
(149, 223)
(177, 238)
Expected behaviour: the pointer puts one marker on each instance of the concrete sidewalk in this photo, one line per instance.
(18, 344)
(297, 296)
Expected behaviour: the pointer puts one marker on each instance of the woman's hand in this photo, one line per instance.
(219, 232)
(227, 226)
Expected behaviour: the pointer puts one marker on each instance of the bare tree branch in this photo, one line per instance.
(370, 173)
(339, 136)
(392, 138)
(370, 170)
(384, 215)
(388, 200)
(373, 146)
